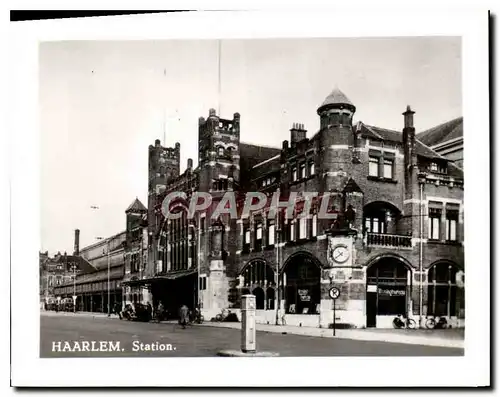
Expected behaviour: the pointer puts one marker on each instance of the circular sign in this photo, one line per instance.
(334, 292)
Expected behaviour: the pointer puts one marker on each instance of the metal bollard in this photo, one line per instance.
(248, 323)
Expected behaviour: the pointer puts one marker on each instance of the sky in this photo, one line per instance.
(103, 103)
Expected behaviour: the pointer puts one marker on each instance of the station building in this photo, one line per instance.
(395, 246)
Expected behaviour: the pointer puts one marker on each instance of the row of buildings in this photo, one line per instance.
(395, 247)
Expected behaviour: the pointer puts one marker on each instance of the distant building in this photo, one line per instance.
(447, 139)
(58, 271)
(91, 285)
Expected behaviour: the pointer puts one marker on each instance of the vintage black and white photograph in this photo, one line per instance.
(253, 197)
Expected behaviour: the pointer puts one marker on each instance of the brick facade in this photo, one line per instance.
(384, 187)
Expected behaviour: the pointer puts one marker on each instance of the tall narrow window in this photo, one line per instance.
(434, 223)
(294, 174)
(292, 230)
(373, 166)
(388, 165)
(220, 151)
(311, 168)
(258, 236)
(247, 236)
(303, 228)
(315, 225)
(302, 168)
(270, 233)
(451, 224)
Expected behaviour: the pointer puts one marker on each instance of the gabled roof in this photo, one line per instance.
(444, 132)
(421, 148)
(82, 264)
(136, 207)
(396, 136)
(351, 187)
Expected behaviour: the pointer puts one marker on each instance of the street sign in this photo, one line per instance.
(334, 292)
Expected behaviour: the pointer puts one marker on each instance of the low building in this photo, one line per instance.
(100, 281)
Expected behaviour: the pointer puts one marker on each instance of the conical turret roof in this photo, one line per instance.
(336, 98)
(136, 207)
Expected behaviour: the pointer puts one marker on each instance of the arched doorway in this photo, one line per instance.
(444, 295)
(388, 288)
(301, 279)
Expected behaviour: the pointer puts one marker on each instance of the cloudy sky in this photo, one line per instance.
(103, 103)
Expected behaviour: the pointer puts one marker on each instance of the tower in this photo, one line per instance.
(219, 172)
(218, 152)
(336, 141)
(163, 166)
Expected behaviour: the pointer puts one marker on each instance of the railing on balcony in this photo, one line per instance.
(388, 240)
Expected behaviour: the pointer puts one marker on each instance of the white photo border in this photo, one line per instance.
(29, 370)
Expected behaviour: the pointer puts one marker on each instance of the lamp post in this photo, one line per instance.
(421, 182)
(109, 265)
(74, 288)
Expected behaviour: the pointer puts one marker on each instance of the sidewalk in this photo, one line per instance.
(442, 338)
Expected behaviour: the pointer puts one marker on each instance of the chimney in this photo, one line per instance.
(408, 117)
(77, 242)
(409, 133)
(297, 133)
(157, 143)
(190, 164)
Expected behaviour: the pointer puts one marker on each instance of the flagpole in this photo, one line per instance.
(164, 110)
(277, 228)
(219, 79)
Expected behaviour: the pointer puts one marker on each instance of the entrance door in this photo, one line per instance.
(371, 309)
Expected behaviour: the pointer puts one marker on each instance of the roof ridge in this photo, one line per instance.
(441, 125)
(256, 145)
(432, 150)
(369, 128)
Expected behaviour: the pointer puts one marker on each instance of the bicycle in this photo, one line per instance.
(196, 318)
(401, 321)
(160, 316)
(431, 323)
(222, 315)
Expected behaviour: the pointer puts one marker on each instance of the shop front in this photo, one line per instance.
(388, 291)
(302, 290)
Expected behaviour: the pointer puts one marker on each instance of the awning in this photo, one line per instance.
(168, 276)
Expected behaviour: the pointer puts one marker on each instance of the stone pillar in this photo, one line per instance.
(248, 333)
(217, 281)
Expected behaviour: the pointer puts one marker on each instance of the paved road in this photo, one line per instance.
(197, 341)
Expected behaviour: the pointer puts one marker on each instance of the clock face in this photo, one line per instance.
(340, 254)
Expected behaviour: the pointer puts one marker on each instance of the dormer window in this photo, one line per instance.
(437, 168)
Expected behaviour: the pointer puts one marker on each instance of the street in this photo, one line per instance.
(196, 341)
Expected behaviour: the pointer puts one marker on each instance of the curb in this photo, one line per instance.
(238, 353)
(414, 340)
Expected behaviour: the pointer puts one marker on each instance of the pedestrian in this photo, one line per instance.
(149, 309)
(161, 310)
(183, 314)
(118, 309)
